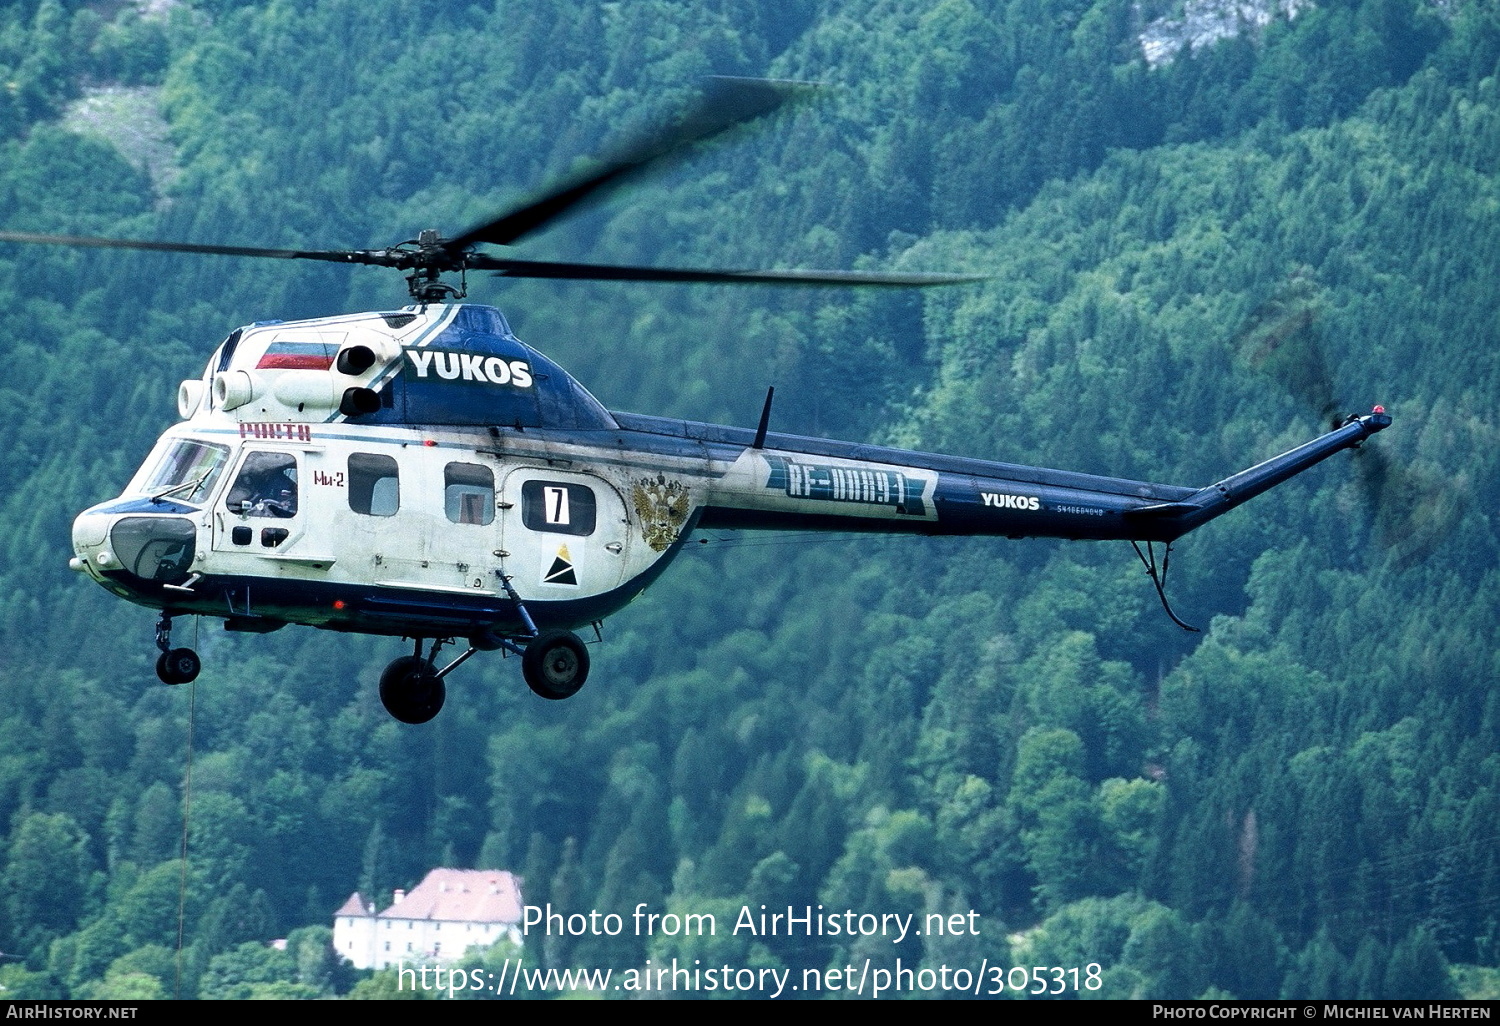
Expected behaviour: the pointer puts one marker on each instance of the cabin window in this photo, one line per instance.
(558, 508)
(187, 471)
(266, 486)
(469, 493)
(374, 485)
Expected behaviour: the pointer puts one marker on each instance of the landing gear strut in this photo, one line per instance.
(554, 663)
(174, 665)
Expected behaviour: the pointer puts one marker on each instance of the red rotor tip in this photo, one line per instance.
(429, 443)
(1378, 409)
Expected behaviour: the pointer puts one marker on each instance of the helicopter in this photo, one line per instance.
(422, 473)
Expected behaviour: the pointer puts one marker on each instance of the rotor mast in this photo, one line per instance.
(433, 259)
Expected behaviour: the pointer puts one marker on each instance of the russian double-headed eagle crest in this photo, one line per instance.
(662, 506)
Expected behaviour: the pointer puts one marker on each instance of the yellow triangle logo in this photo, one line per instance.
(561, 570)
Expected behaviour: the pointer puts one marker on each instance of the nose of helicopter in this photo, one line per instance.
(90, 543)
(111, 545)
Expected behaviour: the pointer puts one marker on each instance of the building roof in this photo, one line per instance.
(461, 895)
(356, 906)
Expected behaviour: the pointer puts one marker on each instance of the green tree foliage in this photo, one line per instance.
(252, 971)
(46, 879)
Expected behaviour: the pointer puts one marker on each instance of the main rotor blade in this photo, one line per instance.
(618, 272)
(726, 102)
(337, 256)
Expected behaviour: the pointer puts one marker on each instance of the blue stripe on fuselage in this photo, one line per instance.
(394, 612)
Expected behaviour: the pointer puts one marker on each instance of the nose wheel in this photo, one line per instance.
(174, 665)
(178, 666)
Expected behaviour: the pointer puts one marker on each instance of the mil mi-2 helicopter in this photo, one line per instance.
(423, 473)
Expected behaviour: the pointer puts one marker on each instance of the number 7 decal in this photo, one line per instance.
(556, 504)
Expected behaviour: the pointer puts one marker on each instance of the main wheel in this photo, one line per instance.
(555, 664)
(179, 666)
(411, 690)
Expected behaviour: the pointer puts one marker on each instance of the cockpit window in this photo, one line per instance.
(187, 471)
(265, 487)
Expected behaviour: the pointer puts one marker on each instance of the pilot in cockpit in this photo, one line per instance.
(266, 486)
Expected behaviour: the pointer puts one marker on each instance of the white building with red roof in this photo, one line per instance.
(450, 911)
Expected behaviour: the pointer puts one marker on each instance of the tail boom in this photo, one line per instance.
(784, 482)
(1221, 497)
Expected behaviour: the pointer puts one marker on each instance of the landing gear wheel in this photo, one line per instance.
(411, 690)
(555, 665)
(178, 666)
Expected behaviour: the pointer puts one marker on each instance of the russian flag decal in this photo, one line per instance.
(285, 354)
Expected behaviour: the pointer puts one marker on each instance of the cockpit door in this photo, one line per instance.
(261, 512)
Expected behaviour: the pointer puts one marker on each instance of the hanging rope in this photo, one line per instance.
(187, 805)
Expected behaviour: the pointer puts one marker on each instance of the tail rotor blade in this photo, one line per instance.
(1412, 510)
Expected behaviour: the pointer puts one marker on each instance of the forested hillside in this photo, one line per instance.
(1191, 267)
